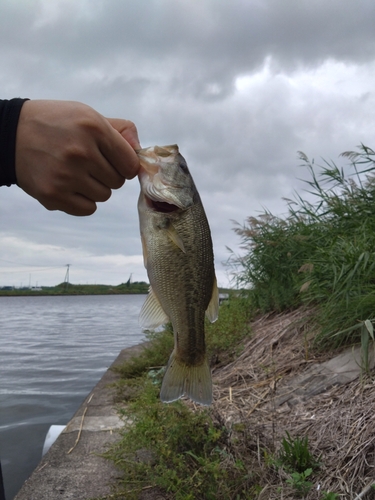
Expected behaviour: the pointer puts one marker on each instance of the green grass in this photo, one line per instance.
(155, 354)
(295, 455)
(186, 454)
(322, 253)
(296, 458)
(232, 326)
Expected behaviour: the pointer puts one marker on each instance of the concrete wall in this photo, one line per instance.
(79, 473)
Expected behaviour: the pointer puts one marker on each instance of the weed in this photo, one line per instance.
(276, 250)
(295, 455)
(298, 481)
(328, 495)
(189, 456)
(154, 355)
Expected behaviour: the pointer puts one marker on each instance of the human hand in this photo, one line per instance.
(69, 157)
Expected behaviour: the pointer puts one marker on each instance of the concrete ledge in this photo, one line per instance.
(73, 470)
(94, 424)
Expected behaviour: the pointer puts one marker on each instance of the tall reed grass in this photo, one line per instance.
(321, 253)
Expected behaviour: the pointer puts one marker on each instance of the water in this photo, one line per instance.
(53, 351)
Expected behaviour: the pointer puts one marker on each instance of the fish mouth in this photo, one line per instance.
(161, 206)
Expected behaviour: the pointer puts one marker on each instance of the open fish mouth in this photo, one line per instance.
(163, 206)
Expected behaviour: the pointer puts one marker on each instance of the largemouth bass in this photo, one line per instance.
(178, 256)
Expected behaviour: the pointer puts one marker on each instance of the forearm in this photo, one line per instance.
(9, 115)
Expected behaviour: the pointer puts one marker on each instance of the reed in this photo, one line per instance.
(322, 253)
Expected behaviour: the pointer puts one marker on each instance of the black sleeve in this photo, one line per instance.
(9, 114)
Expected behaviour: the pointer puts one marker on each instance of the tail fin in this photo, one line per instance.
(192, 381)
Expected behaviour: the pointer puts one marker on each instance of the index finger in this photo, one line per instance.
(127, 129)
(119, 152)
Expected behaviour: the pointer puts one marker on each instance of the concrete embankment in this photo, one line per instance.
(72, 469)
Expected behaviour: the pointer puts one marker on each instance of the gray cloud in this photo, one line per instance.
(241, 86)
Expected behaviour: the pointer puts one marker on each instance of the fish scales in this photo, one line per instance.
(184, 284)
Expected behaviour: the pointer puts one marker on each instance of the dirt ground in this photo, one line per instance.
(276, 385)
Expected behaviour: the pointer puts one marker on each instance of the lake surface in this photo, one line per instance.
(53, 351)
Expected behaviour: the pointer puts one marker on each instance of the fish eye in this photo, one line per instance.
(184, 167)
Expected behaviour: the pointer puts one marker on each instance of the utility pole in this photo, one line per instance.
(128, 283)
(66, 279)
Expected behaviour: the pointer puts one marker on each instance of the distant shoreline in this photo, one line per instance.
(41, 294)
(136, 288)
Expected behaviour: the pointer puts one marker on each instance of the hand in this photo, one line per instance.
(69, 157)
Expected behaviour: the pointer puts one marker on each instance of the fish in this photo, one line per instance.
(178, 256)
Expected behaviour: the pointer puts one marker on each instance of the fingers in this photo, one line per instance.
(127, 129)
(118, 147)
(76, 205)
(71, 195)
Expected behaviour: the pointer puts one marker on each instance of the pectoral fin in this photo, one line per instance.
(144, 250)
(175, 237)
(152, 314)
(212, 311)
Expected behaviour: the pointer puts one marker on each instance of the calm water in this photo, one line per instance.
(53, 350)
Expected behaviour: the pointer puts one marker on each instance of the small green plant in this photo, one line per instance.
(298, 481)
(328, 495)
(295, 455)
(154, 356)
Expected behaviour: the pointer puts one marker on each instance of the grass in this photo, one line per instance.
(322, 253)
(224, 336)
(183, 453)
(295, 456)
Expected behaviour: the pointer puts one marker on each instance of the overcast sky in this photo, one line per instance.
(239, 85)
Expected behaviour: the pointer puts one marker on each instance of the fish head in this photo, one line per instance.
(165, 178)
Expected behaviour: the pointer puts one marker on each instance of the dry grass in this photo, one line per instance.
(340, 422)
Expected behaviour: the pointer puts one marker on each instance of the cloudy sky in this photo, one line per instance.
(239, 85)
